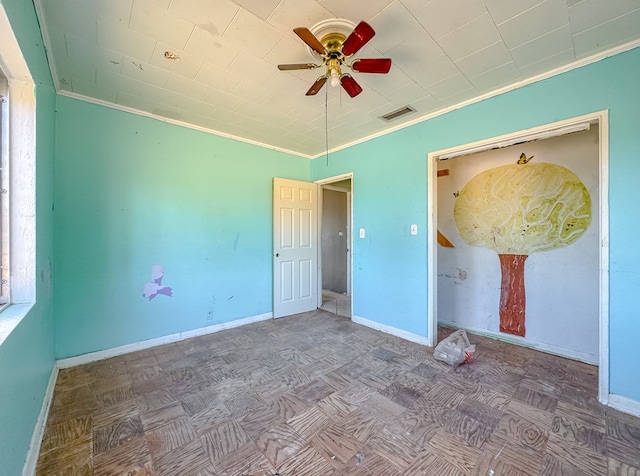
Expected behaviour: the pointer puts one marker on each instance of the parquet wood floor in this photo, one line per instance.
(315, 394)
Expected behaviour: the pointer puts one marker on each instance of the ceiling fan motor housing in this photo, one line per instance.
(332, 42)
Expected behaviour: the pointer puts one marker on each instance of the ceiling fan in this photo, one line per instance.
(333, 49)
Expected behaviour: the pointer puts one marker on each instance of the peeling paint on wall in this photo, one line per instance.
(155, 287)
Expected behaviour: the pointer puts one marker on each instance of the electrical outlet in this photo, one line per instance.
(209, 315)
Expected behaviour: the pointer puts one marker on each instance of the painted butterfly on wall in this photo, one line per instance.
(524, 159)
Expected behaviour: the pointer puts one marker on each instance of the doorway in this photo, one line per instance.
(334, 270)
(456, 232)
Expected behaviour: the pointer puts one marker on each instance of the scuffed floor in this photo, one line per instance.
(315, 394)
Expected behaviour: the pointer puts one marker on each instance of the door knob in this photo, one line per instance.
(277, 254)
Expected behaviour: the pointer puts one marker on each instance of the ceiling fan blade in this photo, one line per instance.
(309, 38)
(359, 37)
(291, 67)
(350, 85)
(317, 86)
(372, 65)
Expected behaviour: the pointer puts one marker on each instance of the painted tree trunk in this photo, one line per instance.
(512, 294)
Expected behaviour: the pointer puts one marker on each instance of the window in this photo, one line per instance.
(17, 204)
(4, 202)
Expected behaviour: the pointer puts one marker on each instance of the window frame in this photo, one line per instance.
(5, 295)
(19, 142)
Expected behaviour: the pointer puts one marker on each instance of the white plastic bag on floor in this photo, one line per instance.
(455, 349)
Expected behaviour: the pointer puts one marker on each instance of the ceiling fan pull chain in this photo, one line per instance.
(326, 122)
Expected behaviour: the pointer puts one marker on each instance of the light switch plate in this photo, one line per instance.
(414, 229)
(361, 232)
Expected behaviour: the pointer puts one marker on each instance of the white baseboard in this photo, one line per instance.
(394, 331)
(146, 344)
(542, 347)
(624, 404)
(30, 464)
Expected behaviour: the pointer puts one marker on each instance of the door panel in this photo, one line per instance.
(305, 228)
(305, 279)
(286, 281)
(295, 254)
(286, 228)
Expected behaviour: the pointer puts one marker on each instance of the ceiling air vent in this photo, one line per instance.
(397, 113)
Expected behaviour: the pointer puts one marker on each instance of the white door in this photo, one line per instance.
(295, 247)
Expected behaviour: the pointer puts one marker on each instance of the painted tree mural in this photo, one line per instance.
(517, 210)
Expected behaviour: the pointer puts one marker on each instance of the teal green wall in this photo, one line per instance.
(27, 355)
(132, 192)
(390, 190)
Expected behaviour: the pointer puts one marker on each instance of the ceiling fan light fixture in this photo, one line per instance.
(335, 78)
(333, 71)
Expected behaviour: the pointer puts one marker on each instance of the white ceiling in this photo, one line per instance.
(444, 52)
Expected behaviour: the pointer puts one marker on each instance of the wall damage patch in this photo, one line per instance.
(155, 287)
